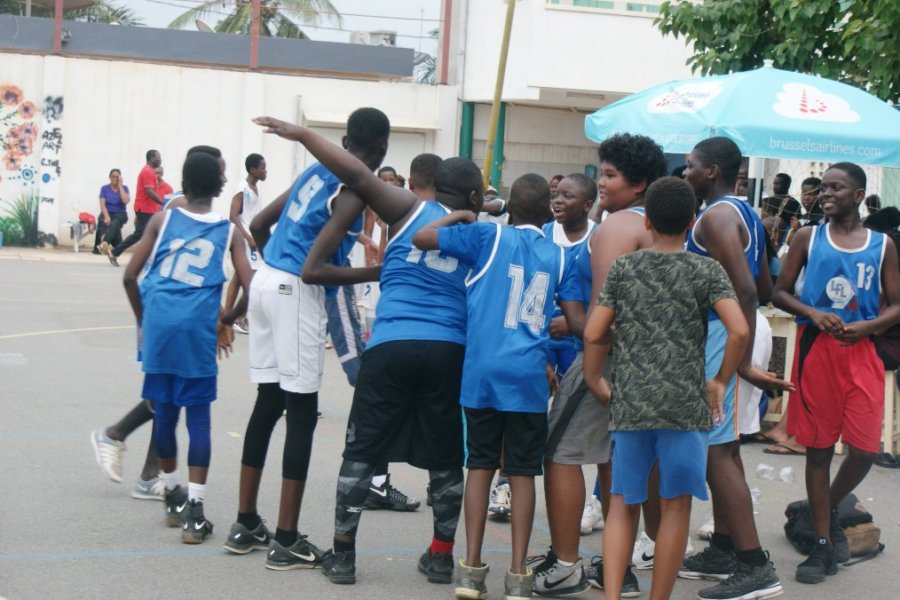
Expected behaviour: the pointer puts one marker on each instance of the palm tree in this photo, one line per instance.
(276, 17)
(425, 64)
(99, 12)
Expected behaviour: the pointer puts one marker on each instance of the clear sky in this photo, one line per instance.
(409, 18)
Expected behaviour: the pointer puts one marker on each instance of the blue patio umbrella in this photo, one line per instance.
(767, 112)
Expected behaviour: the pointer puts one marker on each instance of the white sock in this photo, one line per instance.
(564, 563)
(378, 480)
(171, 479)
(196, 491)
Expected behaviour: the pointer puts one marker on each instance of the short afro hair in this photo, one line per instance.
(670, 204)
(457, 178)
(150, 154)
(637, 157)
(387, 170)
(201, 175)
(422, 169)
(722, 152)
(587, 186)
(211, 150)
(853, 171)
(529, 199)
(813, 181)
(253, 161)
(367, 129)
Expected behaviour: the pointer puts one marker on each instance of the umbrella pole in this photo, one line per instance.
(498, 90)
(755, 171)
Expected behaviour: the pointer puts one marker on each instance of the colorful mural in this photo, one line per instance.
(18, 134)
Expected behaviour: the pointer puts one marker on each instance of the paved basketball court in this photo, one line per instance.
(67, 345)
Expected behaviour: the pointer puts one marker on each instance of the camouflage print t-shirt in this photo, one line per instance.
(661, 301)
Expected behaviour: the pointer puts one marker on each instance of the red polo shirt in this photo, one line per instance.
(142, 202)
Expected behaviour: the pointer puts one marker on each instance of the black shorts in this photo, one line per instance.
(522, 436)
(406, 406)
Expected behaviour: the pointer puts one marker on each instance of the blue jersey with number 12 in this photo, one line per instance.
(181, 289)
(516, 273)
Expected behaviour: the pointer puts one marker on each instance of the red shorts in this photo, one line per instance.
(839, 392)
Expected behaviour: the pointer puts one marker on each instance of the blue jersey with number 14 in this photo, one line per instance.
(181, 288)
(423, 294)
(516, 273)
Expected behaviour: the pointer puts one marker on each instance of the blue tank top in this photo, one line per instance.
(840, 281)
(181, 289)
(515, 276)
(307, 209)
(423, 294)
(756, 244)
(554, 231)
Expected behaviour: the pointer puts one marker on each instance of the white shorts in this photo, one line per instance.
(748, 396)
(287, 338)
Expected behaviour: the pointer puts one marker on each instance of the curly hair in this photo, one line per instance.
(637, 157)
(670, 205)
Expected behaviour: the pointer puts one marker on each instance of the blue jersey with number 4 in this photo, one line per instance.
(846, 282)
(423, 294)
(181, 289)
(516, 273)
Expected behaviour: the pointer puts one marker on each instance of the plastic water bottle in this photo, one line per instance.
(755, 496)
(764, 471)
(786, 474)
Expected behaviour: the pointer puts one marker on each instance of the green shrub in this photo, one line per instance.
(20, 226)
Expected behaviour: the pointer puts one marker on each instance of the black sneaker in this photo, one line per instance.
(195, 528)
(554, 579)
(176, 503)
(712, 563)
(838, 538)
(302, 555)
(243, 541)
(594, 575)
(437, 567)
(339, 567)
(388, 497)
(819, 564)
(748, 582)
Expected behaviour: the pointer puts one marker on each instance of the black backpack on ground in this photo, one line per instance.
(862, 534)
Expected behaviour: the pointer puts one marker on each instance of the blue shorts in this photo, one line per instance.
(682, 463)
(180, 391)
(728, 430)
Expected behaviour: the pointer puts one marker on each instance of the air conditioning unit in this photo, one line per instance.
(360, 37)
(383, 38)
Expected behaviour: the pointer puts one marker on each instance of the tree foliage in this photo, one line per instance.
(854, 41)
(278, 18)
(100, 11)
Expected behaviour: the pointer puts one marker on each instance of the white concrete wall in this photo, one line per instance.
(562, 47)
(114, 111)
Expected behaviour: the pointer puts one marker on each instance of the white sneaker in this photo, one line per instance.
(242, 326)
(499, 504)
(644, 547)
(108, 453)
(153, 489)
(592, 517)
(705, 531)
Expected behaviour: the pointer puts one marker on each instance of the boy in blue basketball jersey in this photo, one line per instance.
(287, 341)
(505, 409)
(176, 302)
(406, 404)
(850, 270)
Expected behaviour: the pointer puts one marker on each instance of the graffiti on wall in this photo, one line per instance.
(30, 147)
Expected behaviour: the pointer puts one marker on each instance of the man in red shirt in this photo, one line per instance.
(146, 204)
(162, 188)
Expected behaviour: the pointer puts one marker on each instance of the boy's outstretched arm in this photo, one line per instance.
(392, 203)
(262, 223)
(732, 317)
(427, 237)
(318, 268)
(139, 258)
(597, 344)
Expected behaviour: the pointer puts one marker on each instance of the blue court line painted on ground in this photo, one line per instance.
(192, 552)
